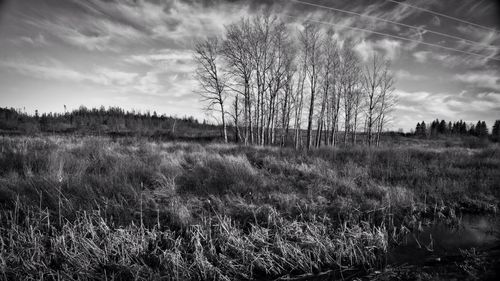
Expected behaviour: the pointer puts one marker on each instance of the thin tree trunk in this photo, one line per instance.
(224, 125)
(236, 121)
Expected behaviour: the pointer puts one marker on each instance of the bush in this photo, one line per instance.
(475, 142)
(216, 174)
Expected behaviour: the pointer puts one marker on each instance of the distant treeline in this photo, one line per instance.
(113, 121)
(457, 128)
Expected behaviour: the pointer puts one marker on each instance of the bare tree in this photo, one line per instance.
(279, 47)
(372, 82)
(388, 100)
(212, 80)
(261, 36)
(349, 82)
(272, 81)
(328, 86)
(237, 55)
(288, 100)
(311, 39)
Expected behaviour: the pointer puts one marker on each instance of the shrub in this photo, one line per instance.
(216, 174)
(475, 142)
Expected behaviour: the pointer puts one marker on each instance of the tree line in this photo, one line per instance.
(111, 120)
(457, 128)
(278, 85)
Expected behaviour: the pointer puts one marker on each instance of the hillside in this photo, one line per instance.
(113, 122)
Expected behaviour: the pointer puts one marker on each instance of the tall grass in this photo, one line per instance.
(92, 208)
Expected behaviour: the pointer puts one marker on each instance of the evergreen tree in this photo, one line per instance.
(434, 127)
(481, 129)
(472, 130)
(423, 128)
(442, 127)
(495, 132)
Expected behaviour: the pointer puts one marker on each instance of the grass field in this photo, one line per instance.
(92, 208)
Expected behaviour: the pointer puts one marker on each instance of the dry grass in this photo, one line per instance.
(90, 208)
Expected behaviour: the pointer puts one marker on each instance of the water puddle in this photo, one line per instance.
(435, 248)
(441, 242)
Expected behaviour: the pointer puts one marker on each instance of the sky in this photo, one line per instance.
(137, 54)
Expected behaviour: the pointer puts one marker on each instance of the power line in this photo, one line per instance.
(395, 36)
(470, 42)
(443, 15)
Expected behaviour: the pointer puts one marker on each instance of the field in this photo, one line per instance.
(94, 208)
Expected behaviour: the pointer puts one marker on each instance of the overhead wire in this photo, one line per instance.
(395, 36)
(443, 15)
(467, 41)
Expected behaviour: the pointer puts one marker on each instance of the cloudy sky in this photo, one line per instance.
(137, 54)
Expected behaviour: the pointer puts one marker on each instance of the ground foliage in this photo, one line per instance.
(93, 208)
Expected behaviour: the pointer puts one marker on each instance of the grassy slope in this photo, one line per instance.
(221, 211)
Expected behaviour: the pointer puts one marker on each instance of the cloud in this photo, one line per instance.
(173, 87)
(436, 21)
(149, 84)
(426, 56)
(391, 47)
(406, 75)
(55, 70)
(450, 60)
(176, 23)
(421, 56)
(422, 105)
(480, 79)
(37, 41)
(485, 43)
(115, 77)
(50, 71)
(170, 72)
(88, 32)
(163, 57)
(388, 47)
(481, 36)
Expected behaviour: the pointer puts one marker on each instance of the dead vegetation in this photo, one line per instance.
(95, 209)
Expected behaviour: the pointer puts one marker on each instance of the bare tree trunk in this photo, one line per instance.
(321, 117)
(250, 126)
(262, 120)
(309, 120)
(285, 118)
(247, 115)
(346, 128)
(237, 133)
(336, 112)
(298, 110)
(258, 125)
(325, 135)
(355, 126)
(224, 125)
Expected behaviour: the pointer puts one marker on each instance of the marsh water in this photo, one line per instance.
(434, 247)
(442, 242)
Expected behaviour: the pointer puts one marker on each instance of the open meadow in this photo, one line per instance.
(92, 208)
